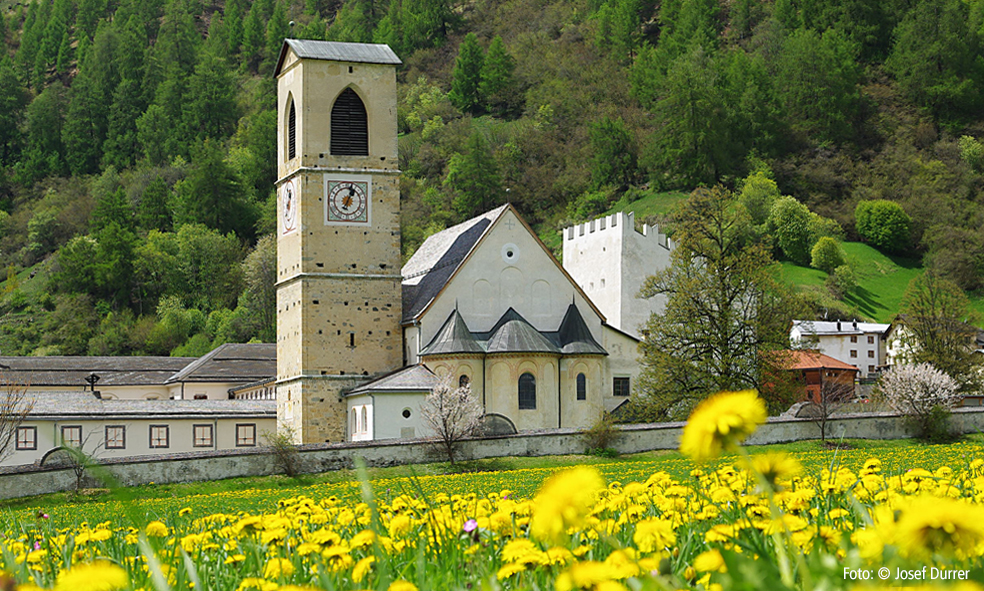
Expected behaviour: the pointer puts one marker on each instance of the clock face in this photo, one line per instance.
(288, 206)
(348, 201)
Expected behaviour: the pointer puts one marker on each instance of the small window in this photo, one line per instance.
(463, 381)
(871, 340)
(115, 437)
(71, 436)
(582, 387)
(871, 354)
(406, 413)
(620, 387)
(527, 392)
(854, 338)
(854, 353)
(27, 438)
(246, 435)
(291, 131)
(355, 421)
(159, 436)
(202, 436)
(365, 420)
(201, 396)
(871, 369)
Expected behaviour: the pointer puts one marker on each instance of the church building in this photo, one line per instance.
(360, 339)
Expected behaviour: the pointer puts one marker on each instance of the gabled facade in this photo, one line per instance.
(860, 344)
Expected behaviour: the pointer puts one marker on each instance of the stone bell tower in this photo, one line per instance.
(338, 230)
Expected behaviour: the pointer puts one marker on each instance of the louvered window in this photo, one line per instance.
(349, 126)
(291, 132)
(527, 392)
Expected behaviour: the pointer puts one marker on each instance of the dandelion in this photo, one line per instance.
(710, 561)
(362, 568)
(156, 529)
(720, 422)
(564, 501)
(654, 534)
(775, 466)
(94, 576)
(278, 567)
(401, 585)
(930, 524)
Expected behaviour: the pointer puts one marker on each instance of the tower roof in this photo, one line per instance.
(513, 334)
(575, 337)
(364, 53)
(454, 337)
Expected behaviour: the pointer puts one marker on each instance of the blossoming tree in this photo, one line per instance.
(452, 413)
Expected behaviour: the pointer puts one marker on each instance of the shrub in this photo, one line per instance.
(789, 222)
(599, 438)
(842, 281)
(924, 394)
(285, 455)
(826, 255)
(883, 224)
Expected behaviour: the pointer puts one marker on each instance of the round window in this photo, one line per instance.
(510, 253)
(406, 413)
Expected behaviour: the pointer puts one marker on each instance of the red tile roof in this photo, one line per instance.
(815, 360)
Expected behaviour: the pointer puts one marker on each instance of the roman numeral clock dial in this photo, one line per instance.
(347, 200)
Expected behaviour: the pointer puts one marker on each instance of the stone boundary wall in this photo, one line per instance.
(198, 466)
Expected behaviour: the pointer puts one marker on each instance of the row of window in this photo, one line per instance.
(160, 436)
(871, 339)
(527, 389)
(854, 354)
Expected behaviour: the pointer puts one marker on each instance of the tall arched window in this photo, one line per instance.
(582, 387)
(365, 419)
(291, 130)
(355, 421)
(349, 126)
(527, 391)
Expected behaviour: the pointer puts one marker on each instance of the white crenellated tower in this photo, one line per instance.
(611, 260)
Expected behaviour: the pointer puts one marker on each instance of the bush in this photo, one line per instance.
(285, 455)
(789, 223)
(826, 255)
(883, 224)
(924, 395)
(841, 282)
(599, 438)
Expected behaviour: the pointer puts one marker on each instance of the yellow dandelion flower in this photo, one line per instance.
(584, 575)
(401, 585)
(929, 525)
(654, 534)
(362, 568)
(256, 584)
(234, 558)
(564, 501)
(278, 567)
(710, 561)
(721, 422)
(308, 548)
(399, 526)
(184, 511)
(156, 529)
(775, 466)
(94, 576)
(509, 569)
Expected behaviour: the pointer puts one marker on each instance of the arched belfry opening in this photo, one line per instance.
(349, 125)
(291, 129)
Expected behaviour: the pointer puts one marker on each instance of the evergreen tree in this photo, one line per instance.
(3, 32)
(277, 30)
(153, 133)
(356, 21)
(233, 28)
(253, 38)
(90, 11)
(211, 112)
(65, 54)
(497, 87)
(936, 58)
(29, 40)
(613, 157)
(820, 90)
(112, 207)
(619, 27)
(85, 124)
(475, 178)
(122, 145)
(466, 77)
(153, 212)
(211, 194)
(424, 23)
(178, 41)
(45, 149)
(13, 101)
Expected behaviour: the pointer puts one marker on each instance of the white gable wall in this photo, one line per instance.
(490, 282)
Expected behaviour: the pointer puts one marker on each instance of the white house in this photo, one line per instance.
(861, 344)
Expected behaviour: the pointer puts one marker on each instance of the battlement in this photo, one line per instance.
(617, 222)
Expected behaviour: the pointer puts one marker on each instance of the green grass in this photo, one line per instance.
(523, 475)
(659, 204)
(881, 280)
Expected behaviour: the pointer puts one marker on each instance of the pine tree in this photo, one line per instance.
(234, 29)
(467, 75)
(122, 146)
(29, 40)
(475, 178)
(85, 125)
(211, 194)
(613, 161)
(3, 32)
(65, 56)
(497, 86)
(277, 30)
(253, 38)
(45, 149)
(13, 101)
(90, 11)
(153, 212)
(112, 207)
(211, 112)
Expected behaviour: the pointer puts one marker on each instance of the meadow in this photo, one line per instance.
(701, 519)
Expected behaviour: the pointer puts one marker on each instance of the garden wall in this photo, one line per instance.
(188, 467)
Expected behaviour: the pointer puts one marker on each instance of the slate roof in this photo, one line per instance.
(454, 337)
(428, 270)
(62, 371)
(513, 334)
(80, 405)
(414, 378)
(231, 362)
(364, 53)
(834, 327)
(575, 337)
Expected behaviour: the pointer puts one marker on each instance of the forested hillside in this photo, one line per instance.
(137, 139)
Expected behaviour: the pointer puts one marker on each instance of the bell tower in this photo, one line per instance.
(338, 230)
